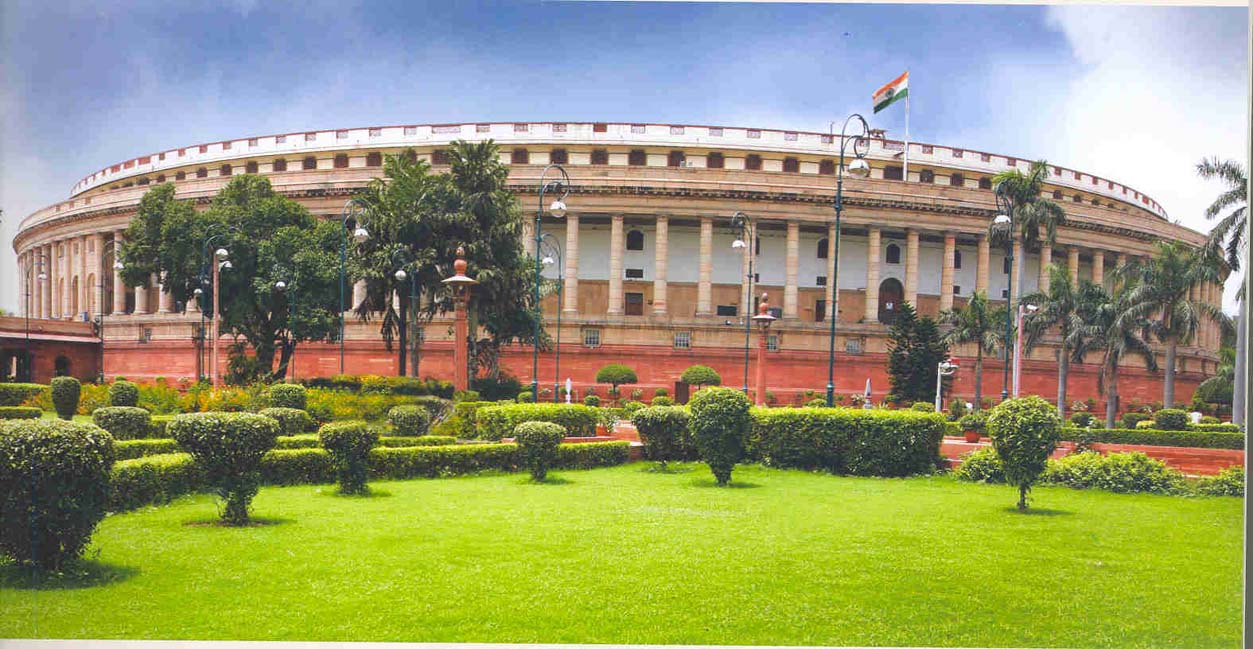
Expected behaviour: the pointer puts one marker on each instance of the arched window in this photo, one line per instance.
(310, 162)
(957, 180)
(202, 173)
(160, 178)
(1057, 194)
(1077, 198)
(600, 157)
(894, 254)
(985, 183)
(957, 259)
(823, 244)
(676, 159)
(635, 240)
(826, 168)
(280, 165)
(341, 161)
(374, 159)
(250, 167)
(791, 165)
(180, 175)
(715, 161)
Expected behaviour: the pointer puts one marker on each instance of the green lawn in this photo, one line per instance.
(624, 555)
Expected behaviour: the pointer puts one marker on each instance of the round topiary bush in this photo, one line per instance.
(538, 441)
(922, 406)
(661, 400)
(526, 397)
(123, 422)
(819, 402)
(700, 375)
(1171, 419)
(661, 392)
(615, 375)
(123, 393)
(288, 395)
(662, 430)
(65, 393)
(409, 421)
(1130, 419)
(632, 406)
(227, 446)
(349, 444)
(291, 421)
(54, 487)
(719, 425)
(20, 412)
(982, 465)
(1024, 432)
(1082, 419)
(591, 400)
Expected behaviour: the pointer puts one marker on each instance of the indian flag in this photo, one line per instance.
(897, 88)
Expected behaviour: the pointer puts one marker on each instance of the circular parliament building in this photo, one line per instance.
(651, 278)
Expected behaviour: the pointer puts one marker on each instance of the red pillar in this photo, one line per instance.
(461, 351)
(761, 368)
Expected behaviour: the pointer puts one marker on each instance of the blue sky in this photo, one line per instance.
(1117, 91)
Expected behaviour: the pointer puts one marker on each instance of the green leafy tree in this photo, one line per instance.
(1036, 217)
(915, 348)
(976, 322)
(1112, 330)
(1024, 432)
(700, 375)
(1060, 309)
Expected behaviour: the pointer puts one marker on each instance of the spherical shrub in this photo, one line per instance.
(662, 430)
(1210, 419)
(291, 421)
(1229, 482)
(1024, 433)
(54, 487)
(466, 395)
(525, 397)
(982, 465)
(661, 392)
(228, 447)
(123, 422)
(700, 375)
(819, 402)
(15, 394)
(1171, 419)
(409, 421)
(591, 400)
(1082, 419)
(349, 444)
(976, 421)
(538, 441)
(719, 425)
(288, 395)
(661, 400)
(615, 374)
(1130, 419)
(922, 406)
(65, 393)
(20, 412)
(123, 393)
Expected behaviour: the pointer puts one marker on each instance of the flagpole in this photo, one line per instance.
(906, 172)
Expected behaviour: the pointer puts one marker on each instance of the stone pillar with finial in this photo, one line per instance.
(763, 320)
(460, 285)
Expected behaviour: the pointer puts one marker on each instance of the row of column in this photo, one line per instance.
(74, 276)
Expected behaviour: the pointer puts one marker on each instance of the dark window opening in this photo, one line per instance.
(957, 180)
(985, 183)
(1005, 265)
(600, 128)
(823, 244)
(957, 259)
(520, 157)
(1077, 198)
(820, 310)
(202, 173)
(676, 159)
(635, 273)
(439, 157)
(280, 165)
(826, 168)
(753, 162)
(250, 167)
(181, 175)
(791, 165)
(600, 157)
(559, 157)
(374, 159)
(635, 304)
(637, 158)
(341, 161)
(635, 240)
(728, 310)
(715, 161)
(893, 254)
(893, 172)
(926, 176)
(310, 163)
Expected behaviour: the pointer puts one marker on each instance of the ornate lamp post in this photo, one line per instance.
(858, 168)
(221, 262)
(460, 285)
(404, 259)
(557, 209)
(40, 276)
(946, 367)
(1024, 310)
(117, 265)
(1005, 218)
(745, 239)
(763, 320)
(213, 236)
(550, 250)
(290, 287)
(354, 223)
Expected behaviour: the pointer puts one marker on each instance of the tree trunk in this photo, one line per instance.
(978, 375)
(414, 341)
(1168, 389)
(1063, 373)
(1022, 497)
(1111, 398)
(287, 350)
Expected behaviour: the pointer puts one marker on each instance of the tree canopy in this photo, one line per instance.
(915, 349)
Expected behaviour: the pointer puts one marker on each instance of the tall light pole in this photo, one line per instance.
(763, 320)
(1023, 310)
(461, 286)
(117, 265)
(221, 261)
(746, 240)
(290, 287)
(550, 251)
(407, 269)
(40, 276)
(858, 168)
(946, 367)
(214, 235)
(558, 210)
(1005, 218)
(354, 218)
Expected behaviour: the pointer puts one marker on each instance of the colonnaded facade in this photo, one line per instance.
(651, 278)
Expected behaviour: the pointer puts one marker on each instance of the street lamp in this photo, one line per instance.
(117, 265)
(1005, 219)
(946, 367)
(550, 250)
(221, 262)
(215, 235)
(354, 223)
(558, 209)
(763, 320)
(404, 259)
(858, 168)
(1023, 310)
(290, 288)
(41, 276)
(742, 225)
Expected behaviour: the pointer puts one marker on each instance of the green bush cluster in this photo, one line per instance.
(660, 401)
(130, 449)
(91, 396)
(228, 447)
(982, 465)
(15, 394)
(461, 424)
(288, 395)
(291, 421)
(1229, 482)
(496, 422)
(664, 431)
(372, 384)
(720, 424)
(409, 421)
(54, 488)
(65, 392)
(152, 480)
(159, 424)
(976, 421)
(922, 406)
(1082, 419)
(1171, 419)
(421, 440)
(1024, 432)
(700, 375)
(1130, 419)
(591, 401)
(1215, 428)
(124, 422)
(124, 394)
(20, 412)
(525, 397)
(538, 442)
(1118, 472)
(1150, 437)
(848, 440)
(330, 405)
(349, 443)
(1210, 419)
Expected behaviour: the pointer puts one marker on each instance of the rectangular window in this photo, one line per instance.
(635, 273)
(893, 172)
(826, 168)
(482, 128)
(772, 342)
(559, 128)
(279, 165)
(278, 139)
(789, 137)
(411, 130)
(791, 165)
(635, 304)
(853, 346)
(559, 157)
(520, 157)
(753, 162)
(754, 134)
(341, 134)
(310, 163)
(682, 340)
(985, 157)
(821, 280)
(715, 161)
(957, 289)
(376, 132)
(827, 139)
(591, 337)
(252, 141)
(600, 128)
(957, 153)
(728, 310)
(446, 129)
(637, 158)
(520, 128)
(204, 148)
(600, 157)
(1011, 162)
(341, 161)
(715, 132)
(676, 159)
(676, 130)
(310, 137)
(820, 310)
(637, 128)
(374, 159)
(927, 148)
(250, 167)
(439, 157)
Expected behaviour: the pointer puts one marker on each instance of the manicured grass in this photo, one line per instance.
(51, 414)
(625, 555)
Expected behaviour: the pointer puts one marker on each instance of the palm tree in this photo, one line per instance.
(1108, 326)
(975, 323)
(1033, 213)
(1160, 290)
(1228, 234)
(1062, 307)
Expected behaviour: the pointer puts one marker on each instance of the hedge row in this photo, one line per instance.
(135, 448)
(20, 412)
(496, 422)
(1152, 437)
(13, 394)
(371, 384)
(886, 443)
(158, 478)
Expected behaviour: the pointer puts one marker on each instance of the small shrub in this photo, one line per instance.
(957, 408)
(54, 487)
(661, 400)
(1117, 472)
(409, 421)
(288, 395)
(1171, 419)
(591, 400)
(349, 444)
(1024, 432)
(976, 421)
(15, 394)
(663, 429)
(123, 422)
(291, 421)
(499, 421)
(816, 403)
(228, 447)
(1130, 419)
(719, 424)
(538, 441)
(65, 393)
(922, 406)
(525, 397)
(661, 392)
(1082, 419)
(982, 465)
(631, 406)
(123, 393)
(1215, 428)
(20, 412)
(700, 375)
(152, 480)
(1146, 424)
(462, 422)
(1229, 482)
(466, 395)
(1210, 419)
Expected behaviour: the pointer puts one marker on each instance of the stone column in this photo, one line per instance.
(661, 250)
(946, 272)
(141, 297)
(911, 266)
(831, 287)
(119, 287)
(96, 261)
(1072, 262)
(791, 292)
(1120, 261)
(872, 277)
(1098, 267)
(48, 300)
(63, 278)
(24, 285)
(165, 299)
(983, 266)
(1018, 268)
(615, 265)
(704, 285)
(359, 293)
(571, 290)
(528, 235)
(84, 284)
(1046, 259)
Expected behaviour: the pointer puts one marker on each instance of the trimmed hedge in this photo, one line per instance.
(229, 448)
(131, 449)
(159, 424)
(14, 394)
(887, 443)
(20, 412)
(421, 440)
(291, 421)
(1215, 428)
(288, 395)
(663, 429)
(349, 444)
(153, 480)
(123, 422)
(123, 394)
(538, 442)
(65, 393)
(1152, 437)
(462, 422)
(496, 422)
(409, 421)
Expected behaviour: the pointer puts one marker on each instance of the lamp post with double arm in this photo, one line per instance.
(353, 220)
(288, 285)
(40, 276)
(117, 265)
(557, 208)
(406, 269)
(550, 253)
(1005, 218)
(742, 225)
(858, 168)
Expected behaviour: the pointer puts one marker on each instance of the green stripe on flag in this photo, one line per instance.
(890, 97)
